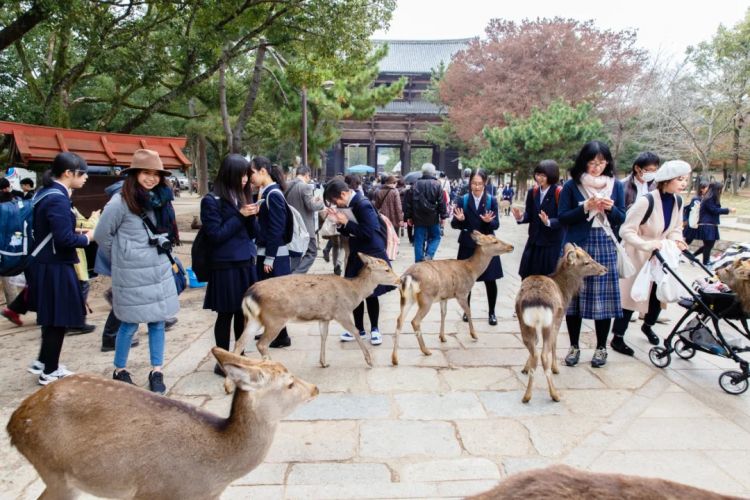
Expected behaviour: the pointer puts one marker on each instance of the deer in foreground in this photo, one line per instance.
(560, 482)
(737, 277)
(540, 307)
(439, 280)
(116, 440)
(269, 304)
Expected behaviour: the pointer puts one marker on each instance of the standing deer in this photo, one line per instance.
(117, 440)
(429, 281)
(269, 304)
(540, 307)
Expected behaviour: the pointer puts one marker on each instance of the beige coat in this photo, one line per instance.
(639, 241)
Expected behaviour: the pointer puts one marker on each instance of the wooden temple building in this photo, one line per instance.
(402, 122)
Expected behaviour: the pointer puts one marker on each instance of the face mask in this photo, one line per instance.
(649, 176)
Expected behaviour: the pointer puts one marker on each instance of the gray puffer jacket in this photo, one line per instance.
(143, 288)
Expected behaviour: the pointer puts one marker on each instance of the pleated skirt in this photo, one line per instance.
(56, 296)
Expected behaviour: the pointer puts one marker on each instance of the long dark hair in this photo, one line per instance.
(714, 191)
(63, 162)
(228, 182)
(588, 152)
(277, 175)
(134, 194)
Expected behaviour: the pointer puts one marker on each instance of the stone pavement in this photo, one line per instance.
(442, 426)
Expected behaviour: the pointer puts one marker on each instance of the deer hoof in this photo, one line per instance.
(555, 397)
(526, 398)
(525, 371)
(324, 365)
(555, 370)
(443, 339)
(394, 359)
(228, 386)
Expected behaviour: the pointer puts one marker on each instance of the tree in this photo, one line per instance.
(522, 66)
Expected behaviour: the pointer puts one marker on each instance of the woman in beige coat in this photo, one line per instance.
(641, 238)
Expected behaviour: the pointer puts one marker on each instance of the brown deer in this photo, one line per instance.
(116, 440)
(439, 280)
(560, 482)
(268, 305)
(737, 277)
(540, 307)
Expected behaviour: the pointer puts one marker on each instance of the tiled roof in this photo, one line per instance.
(418, 56)
(410, 108)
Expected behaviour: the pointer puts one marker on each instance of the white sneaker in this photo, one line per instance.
(375, 337)
(348, 337)
(46, 378)
(37, 367)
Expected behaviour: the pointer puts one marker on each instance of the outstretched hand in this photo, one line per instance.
(458, 213)
(487, 217)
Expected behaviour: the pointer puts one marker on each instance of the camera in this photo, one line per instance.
(161, 242)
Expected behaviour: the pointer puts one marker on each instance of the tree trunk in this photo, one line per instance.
(223, 105)
(738, 123)
(252, 94)
(201, 168)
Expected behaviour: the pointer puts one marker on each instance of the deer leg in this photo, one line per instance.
(57, 488)
(323, 327)
(406, 304)
(464, 303)
(270, 332)
(348, 323)
(553, 341)
(416, 322)
(529, 340)
(443, 311)
(547, 363)
(252, 328)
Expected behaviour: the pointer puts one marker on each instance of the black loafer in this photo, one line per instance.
(649, 333)
(493, 319)
(81, 330)
(280, 341)
(618, 344)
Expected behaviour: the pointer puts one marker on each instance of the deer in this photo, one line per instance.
(116, 440)
(426, 282)
(540, 307)
(269, 304)
(737, 277)
(561, 482)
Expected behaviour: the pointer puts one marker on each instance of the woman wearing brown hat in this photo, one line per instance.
(143, 287)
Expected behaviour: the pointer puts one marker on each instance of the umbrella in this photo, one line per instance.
(412, 177)
(361, 169)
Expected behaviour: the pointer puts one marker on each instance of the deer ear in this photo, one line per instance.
(569, 247)
(364, 257)
(570, 255)
(477, 237)
(246, 378)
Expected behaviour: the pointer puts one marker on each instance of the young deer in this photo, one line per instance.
(116, 440)
(439, 280)
(737, 277)
(540, 308)
(561, 482)
(268, 305)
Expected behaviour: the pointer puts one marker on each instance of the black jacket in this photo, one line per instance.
(428, 189)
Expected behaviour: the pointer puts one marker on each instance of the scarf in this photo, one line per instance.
(159, 200)
(597, 187)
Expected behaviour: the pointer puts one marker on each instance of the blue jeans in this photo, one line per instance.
(155, 343)
(429, 233)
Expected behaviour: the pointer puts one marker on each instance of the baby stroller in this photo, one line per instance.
(699, 329)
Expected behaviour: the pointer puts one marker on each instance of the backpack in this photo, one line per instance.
(17, 248)
(487, 205)
(650, 209)
(296, 236)
(535, 190)
(694, 214)
(423, 208)
(391, 237)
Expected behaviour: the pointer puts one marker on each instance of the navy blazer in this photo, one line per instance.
(572, 217)
(54, 214)
(710, 212)
(539, 234)
(271, 221)
(472, 221)
(231, 234)
(364, 235)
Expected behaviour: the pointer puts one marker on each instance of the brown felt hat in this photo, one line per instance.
(146, 159)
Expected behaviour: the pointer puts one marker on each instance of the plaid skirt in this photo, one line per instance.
(599, 297)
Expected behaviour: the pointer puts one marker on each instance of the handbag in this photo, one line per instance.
(178, 271)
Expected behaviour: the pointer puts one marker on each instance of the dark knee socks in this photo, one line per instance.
(574, 329)
(224, 323)
(52, 342)
(601, 326)
(373, 311)
(491, 287)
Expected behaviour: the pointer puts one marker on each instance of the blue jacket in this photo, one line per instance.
(539, 234)
(272, 222)
(364, 235)
(472, 221)
(230, 233)
(508, 193)
(710, 212)
(572, 217)
(54, 214)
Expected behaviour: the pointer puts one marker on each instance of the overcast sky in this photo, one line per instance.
(664, 26)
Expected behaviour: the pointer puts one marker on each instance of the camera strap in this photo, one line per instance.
(151, 230)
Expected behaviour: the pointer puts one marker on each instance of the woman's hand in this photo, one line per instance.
(544, 217)
(517, 214)
(590, 204)
(656, 245)
(732, 210)
(250, 209)
(606, 204)
(487, 217)
(458, 213)
(681, 245)
(339, 217)
(267, 268)
(89, 234)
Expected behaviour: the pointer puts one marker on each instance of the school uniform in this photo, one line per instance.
(54, 290)
(233, 253)
(542, 250)
(708, 220)
(599, 297)
(366, 235)
(473, 222)
(272, 250)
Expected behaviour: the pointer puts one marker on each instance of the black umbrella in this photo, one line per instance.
(412, 177)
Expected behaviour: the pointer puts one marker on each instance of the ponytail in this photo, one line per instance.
(63, 162)
(277, 175)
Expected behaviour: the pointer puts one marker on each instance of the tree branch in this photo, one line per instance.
(22, 25)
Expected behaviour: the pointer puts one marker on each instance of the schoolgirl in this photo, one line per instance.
(708, 220)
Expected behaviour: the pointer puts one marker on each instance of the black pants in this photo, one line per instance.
(654, 309)
(224, 323)
(20, 304)
(52, 342)
(708, 245)
(491, 287)
(373, 311)
(600, 325)
(109, 333)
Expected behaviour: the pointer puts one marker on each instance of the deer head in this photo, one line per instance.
(491, 245)
(577, 258)
(738, 271)
(275, 391)
(382, 273)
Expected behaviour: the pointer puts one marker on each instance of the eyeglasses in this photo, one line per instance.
(594, 163)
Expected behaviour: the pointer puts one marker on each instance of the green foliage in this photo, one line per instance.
(556, 133)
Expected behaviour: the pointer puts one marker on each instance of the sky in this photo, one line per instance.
(665, 27)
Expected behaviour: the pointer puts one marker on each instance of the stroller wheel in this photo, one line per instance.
(659, 357)
(682, 350)
(733, 382)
